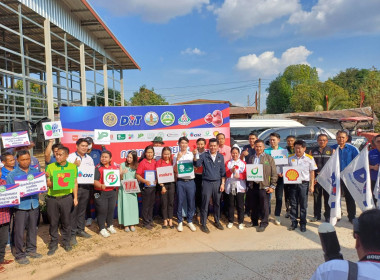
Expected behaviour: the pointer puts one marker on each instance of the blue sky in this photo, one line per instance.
(190, 49)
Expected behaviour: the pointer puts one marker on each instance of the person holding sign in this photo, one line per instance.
(167, 189)
(146, 175)
(261, 190)
(235, 187)
(5, 219)
(51, 148)
(26, 214)
(128, 208)
(183, 165)
(213, 179)
(62, 196)
(298, 192)
(105, 194)
(9, 164)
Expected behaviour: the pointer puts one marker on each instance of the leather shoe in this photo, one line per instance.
(67, 248)
(292, 227)
(7, 262)
(260, 229)
(73, 241)
(34, 255)
(52, 250)
(23, 261)
(303, 228)
(148, 227)
(83, 234)
(219, 226)
(205, 229)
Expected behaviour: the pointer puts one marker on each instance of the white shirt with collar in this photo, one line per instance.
(86, 160)
(307, 164)
(188, 157)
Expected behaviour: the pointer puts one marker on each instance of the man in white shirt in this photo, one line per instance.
(80, 158)
(367, 245)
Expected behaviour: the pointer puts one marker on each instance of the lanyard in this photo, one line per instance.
(372, 257)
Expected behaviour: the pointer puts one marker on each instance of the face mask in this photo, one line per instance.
(89, 147)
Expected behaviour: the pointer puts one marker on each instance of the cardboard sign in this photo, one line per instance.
(255, 172)
(185, 169)
(9, 195)
(130, 186)
(165, 174)
(280, 156)
(157, 151)
(292, 174)
(15, 139)
(86, 174)
(52, 130)
(32, 184)
(150, 175)
(64, 179)
(111, 177)
(102, 137)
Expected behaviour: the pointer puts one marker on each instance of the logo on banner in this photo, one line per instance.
(151, 118)
(130, 120)
(110, 119)
(184, 119)
(207, 133)
(255, 170)
(75, 137)
(103, 134)
(3, 188)
(130, 136)
(111, 178)
(184, 133)
(167, 118)
(84, 175)
(192, 134)
(172, 135)
(150, 135)
(30, 177)
(292, 175)
(121, 137)
(140, 135)
(53, 130)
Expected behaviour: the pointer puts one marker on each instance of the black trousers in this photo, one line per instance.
(239, 199)
(319, 191)
(373, 183)
(25, 219)
(259, 205)
(350, 202)
(298, 197)
(91, 201)
(4, 232)
(198, 193)
(78, 215)
(210, 189)
(279, 192)
(105, 206)
(248, 198)
(59, 209)
(287, 197)
(167, 201)
(148, 199)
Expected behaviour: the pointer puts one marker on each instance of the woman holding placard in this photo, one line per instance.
(235, 187)
(146, 175)
(167, 189)
(128, 209)
(105, 186)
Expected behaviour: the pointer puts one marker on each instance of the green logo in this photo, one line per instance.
(167, 118)
(121, 137)
(102, 135)
(140, 135)
(254, 171)
(112, 178)
(184, 119)
(3, 188)
(14, 134)
(30, 177)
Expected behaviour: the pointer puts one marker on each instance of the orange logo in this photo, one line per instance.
(292, 175)
(216, 133)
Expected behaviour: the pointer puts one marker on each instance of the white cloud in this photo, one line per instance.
(158, 11)
(192, 71)
(332, 16)
(194, 51)
(267, 65)
(236, 17)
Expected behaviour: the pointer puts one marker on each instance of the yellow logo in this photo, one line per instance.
(328, 152)
(110, 119)
(292, 175)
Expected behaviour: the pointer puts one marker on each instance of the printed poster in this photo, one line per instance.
(102, 137)
(31, 184)
(86, 174)
(64, 179)
(280, 156)
(255, 172)
(111, 177)
(15, 139)
(165, 174)
(185, 169)
(9, 195)
(52, 130)
(130, 186)
(292, 174)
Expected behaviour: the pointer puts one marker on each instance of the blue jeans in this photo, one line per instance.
(298, 196)
(186, 192)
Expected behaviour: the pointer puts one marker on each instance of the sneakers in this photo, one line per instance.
(88, 222)
(104, 233)
(277, 221)
(112, 230)
(241, 226)
(34, 255)
(180, 227)
(23, 261)
(191, 226)
(230, 225)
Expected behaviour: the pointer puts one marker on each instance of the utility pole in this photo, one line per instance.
(248, 100)
(259, 99)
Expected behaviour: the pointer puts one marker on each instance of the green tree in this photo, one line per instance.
(114, 98)
(371, 88)
(145, 97)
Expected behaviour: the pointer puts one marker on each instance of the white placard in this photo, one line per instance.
(280, 156)
(15, 139)
(111, 177)
(157, 151)
(185, 169)
(150, 175)
(130, 186)
(52, 130)
(255, 172)
(102, 137)
(292, 174)
(165, 174)
(9, 195)
(30, 184)
(86, 174)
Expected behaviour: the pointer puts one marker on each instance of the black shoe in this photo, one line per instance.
(52, 250)
(260, 229)
(152, 224)
(164, 227)
(23, 261)
(73, 241)
(67, 248)
(315, 219)
(292, 227)
(34, 255)
(205, 229)
(252, 224)
(303, 228)
(148, 227)
(350, 220)
(83, 234)
(219, 226)
(287, 215)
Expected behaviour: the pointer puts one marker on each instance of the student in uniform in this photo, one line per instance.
(235, 187)
(148, 189)
(128, 208)
(105, 197)
(59, 203)
(167, 190)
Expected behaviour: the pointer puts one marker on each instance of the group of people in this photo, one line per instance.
(219, 174)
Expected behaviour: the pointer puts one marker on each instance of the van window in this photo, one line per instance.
(305, 133)
(241, 133)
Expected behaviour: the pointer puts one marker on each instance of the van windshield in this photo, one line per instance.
(265, 134)
(241, 133)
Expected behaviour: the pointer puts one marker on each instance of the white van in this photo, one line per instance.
(241, 128)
